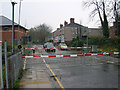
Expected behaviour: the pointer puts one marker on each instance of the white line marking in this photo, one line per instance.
(24, 64)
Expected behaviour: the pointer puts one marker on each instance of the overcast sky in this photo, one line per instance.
(50, 12)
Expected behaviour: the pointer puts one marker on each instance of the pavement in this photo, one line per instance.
(35, 74)
(35, 79)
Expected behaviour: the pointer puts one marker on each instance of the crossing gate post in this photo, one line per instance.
(1, 69)
(94, 48)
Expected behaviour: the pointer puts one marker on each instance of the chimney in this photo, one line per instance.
(71, 20)
(61, 25)
(65, 23)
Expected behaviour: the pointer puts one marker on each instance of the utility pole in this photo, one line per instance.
(13, 4)
(19, 23)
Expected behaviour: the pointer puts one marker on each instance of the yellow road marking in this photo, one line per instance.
(55, 77)
(40, 82)
(40, 53)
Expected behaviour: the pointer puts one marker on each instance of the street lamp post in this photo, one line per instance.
(19, 23)
(13, 3)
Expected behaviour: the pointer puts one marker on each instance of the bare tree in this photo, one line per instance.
(117, 16)
(96, 8)
(105, 22)
(105, 9)
(40, 33)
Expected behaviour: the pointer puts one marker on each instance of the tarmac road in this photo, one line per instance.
(79, 72)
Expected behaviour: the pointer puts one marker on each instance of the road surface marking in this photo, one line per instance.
(40, 82)
(53, 74)
(55, 77)
(96, 58)
(111, 62)
(24, 64)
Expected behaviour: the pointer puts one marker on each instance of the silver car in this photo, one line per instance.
(49, 47)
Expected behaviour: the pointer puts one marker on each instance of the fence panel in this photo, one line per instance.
(15, 64)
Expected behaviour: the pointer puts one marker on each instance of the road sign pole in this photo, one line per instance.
(1, 70)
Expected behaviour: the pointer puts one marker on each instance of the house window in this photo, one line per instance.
(5, 28)
(90, 33)
(76, 32)
(84, 30)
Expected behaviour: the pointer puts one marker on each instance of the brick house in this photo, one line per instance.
(69, 31)
(95, 32)
(113, 30)
(6, 30)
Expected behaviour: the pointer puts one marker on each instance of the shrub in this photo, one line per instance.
(77, 42)
(9, 47)
(105, 42)
(101, 40)
(16, 84)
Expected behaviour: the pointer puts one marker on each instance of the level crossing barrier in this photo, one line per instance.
(72, 55)
(60, 48)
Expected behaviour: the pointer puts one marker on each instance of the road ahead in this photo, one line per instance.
(78, 72)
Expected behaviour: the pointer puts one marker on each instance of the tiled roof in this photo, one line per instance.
(4, 21)
(73, 25)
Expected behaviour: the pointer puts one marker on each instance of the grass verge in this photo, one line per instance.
(16, 84)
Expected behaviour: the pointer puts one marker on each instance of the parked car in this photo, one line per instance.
(45, 45)
(49, 47)
(62, 46)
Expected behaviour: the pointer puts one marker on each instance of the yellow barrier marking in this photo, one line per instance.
(55, 77)
(40, 82)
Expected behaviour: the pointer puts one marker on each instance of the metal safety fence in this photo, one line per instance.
(15, 64)
(10, 67)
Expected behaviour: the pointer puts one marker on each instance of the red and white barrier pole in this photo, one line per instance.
(59, 48)
(78, 47)
(72, 55)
